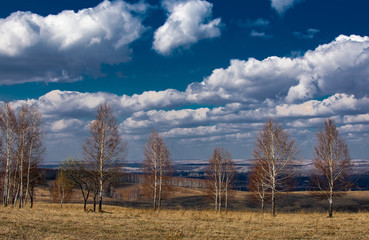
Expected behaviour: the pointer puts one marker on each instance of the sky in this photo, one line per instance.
(202, 73)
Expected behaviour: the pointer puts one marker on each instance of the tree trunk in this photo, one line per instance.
(101, 197)
(155, 188)
(29, 168)
(6, 184)
(160, 186)
(9, 142)
(85, 200)
(6, 181)
(262, 205)
(220, 195)
(16, 196)
(31, 197)
(21, 185)
(273, 198)
(15, 193)
(226, 197)
(330, 200)
(61, 198)
(216, 197)
(101, 187)
(7, 177)
(21, 170)
(273, 173)
(102, 149)
(94, 206)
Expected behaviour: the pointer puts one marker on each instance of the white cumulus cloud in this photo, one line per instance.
(62, 47)
(281, 6)
(337, 67)
(188, 22)
(231, 105)
(63, 124)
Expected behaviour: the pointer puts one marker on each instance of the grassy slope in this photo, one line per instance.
(49, 221)
(299, 216)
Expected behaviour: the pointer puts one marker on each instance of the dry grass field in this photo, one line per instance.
(49, 221)
(188, 215)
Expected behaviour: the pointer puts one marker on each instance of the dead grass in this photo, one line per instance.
(188, 215)
(49, 221)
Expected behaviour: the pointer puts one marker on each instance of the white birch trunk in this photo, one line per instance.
(102, 145)
(7, 167)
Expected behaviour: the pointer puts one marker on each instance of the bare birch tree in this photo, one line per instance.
(34, 151)
(8, 138)
(29, 148)
(104, 149)
(276, 154)
(23, 125)
(36, 178)
(62, 187)
(257, 185)
(220, 176)
(230, 174)
(332, 163)
(22, 151)
(157, 168)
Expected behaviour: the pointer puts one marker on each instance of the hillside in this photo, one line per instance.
(49, 221)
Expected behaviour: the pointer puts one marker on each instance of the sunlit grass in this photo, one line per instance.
(49, 221)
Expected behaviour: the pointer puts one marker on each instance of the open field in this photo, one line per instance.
(188, 215)
(49, 221)
(196, 199)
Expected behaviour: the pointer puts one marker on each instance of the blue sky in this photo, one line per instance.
(203, 73)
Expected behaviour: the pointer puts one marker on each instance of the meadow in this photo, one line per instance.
(49, 221)
(181, 220)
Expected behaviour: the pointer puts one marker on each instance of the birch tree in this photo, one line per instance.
(332, 163)
(157, 168)
(104, 149)
(34, 151)
(62, 188)
(8, 138)
(257, 185)
(275, 154)
(21, 151)
(23, 127)
(220, 176)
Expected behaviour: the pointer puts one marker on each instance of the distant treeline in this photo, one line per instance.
(182, 179)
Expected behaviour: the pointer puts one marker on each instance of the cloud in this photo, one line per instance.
(337, 67)
(230, 105)
(150, 99)
(355, 128)
(340, 66)
(259, 34)
(259, 22)
(253, 79)
(336, 104)
(65, 46)
(312, 122)
(63, 124)
(360, 118)
(310, 33)
(188, 22)
(281, 6)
